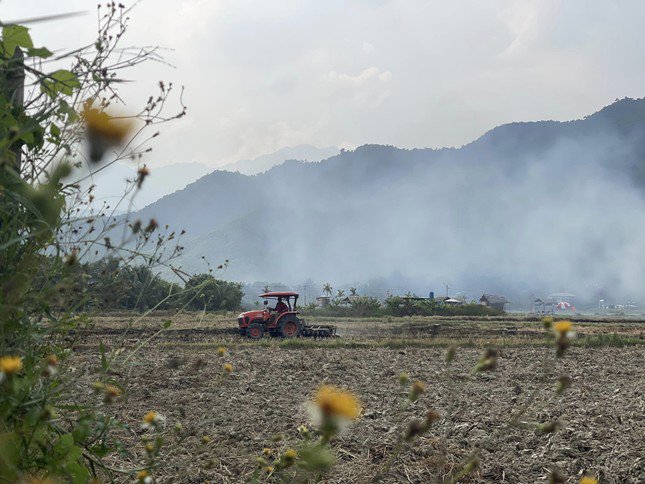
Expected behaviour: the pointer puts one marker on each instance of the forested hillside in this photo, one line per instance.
(434, 214)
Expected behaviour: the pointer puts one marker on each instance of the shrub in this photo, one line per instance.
(408, 306)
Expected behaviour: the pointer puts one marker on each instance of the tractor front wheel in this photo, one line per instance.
(289, 328)
(255, 331)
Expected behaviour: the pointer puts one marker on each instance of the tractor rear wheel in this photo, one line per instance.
(255, 331)
(289, 328)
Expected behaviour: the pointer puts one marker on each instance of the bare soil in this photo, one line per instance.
(179, 374)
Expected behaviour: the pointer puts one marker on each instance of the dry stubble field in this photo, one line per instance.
(179, 374)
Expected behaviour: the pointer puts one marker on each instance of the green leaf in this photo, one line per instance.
(80, 474)
(66, 111)
(167, 323)
(55, 131)
(101, 450)
(9, 456)
(61, 81)
(65, 444)
(28, 137)
(42, 52)
(15, 36)
(82, 430)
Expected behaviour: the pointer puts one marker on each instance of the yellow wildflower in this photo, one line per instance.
(562, 327)
(150, 417)
(304, 431)
(563, 336)
(228, 368)
(290, 454)
(50, 369)
(104, 131)
(221, 351)
(334, 402)
(10, 365)
(588, 480)
(417, 389)
(144, 476)
(269, 469)
(102, 124)
(111, 393)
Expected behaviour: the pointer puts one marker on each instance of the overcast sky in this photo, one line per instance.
(264, 74)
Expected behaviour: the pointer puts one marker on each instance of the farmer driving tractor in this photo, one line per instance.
(280, 306)
(281, 320)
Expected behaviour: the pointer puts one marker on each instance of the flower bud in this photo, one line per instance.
(417, 389)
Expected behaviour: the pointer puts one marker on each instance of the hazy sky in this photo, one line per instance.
(264, 74)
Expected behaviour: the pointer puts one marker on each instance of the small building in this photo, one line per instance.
(439, 299)
(493, 301)
(323, 301)
(538, 306)
(451, 301)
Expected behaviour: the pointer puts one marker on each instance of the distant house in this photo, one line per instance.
(438, 299)
(538, 306)
(493, 301)
(323, 301)
(451, 301)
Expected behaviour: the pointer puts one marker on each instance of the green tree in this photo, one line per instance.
(204, 292)
(146, 290)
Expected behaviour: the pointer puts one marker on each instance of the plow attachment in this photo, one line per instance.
(318, 331)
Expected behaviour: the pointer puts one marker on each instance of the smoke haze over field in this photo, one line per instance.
(527, 208)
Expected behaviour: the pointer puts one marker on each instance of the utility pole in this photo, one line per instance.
(446, 289)
(14, 91)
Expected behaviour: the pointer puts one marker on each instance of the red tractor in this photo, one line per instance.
(281, 320)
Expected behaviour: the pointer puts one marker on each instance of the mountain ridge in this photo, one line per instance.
(448, 197)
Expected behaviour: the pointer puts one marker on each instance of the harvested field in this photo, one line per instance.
(179, 374)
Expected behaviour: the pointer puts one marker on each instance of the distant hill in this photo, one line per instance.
(527, 207)
(162, 181)
(268, 161)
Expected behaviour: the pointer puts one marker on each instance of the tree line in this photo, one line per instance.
(107, 285)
